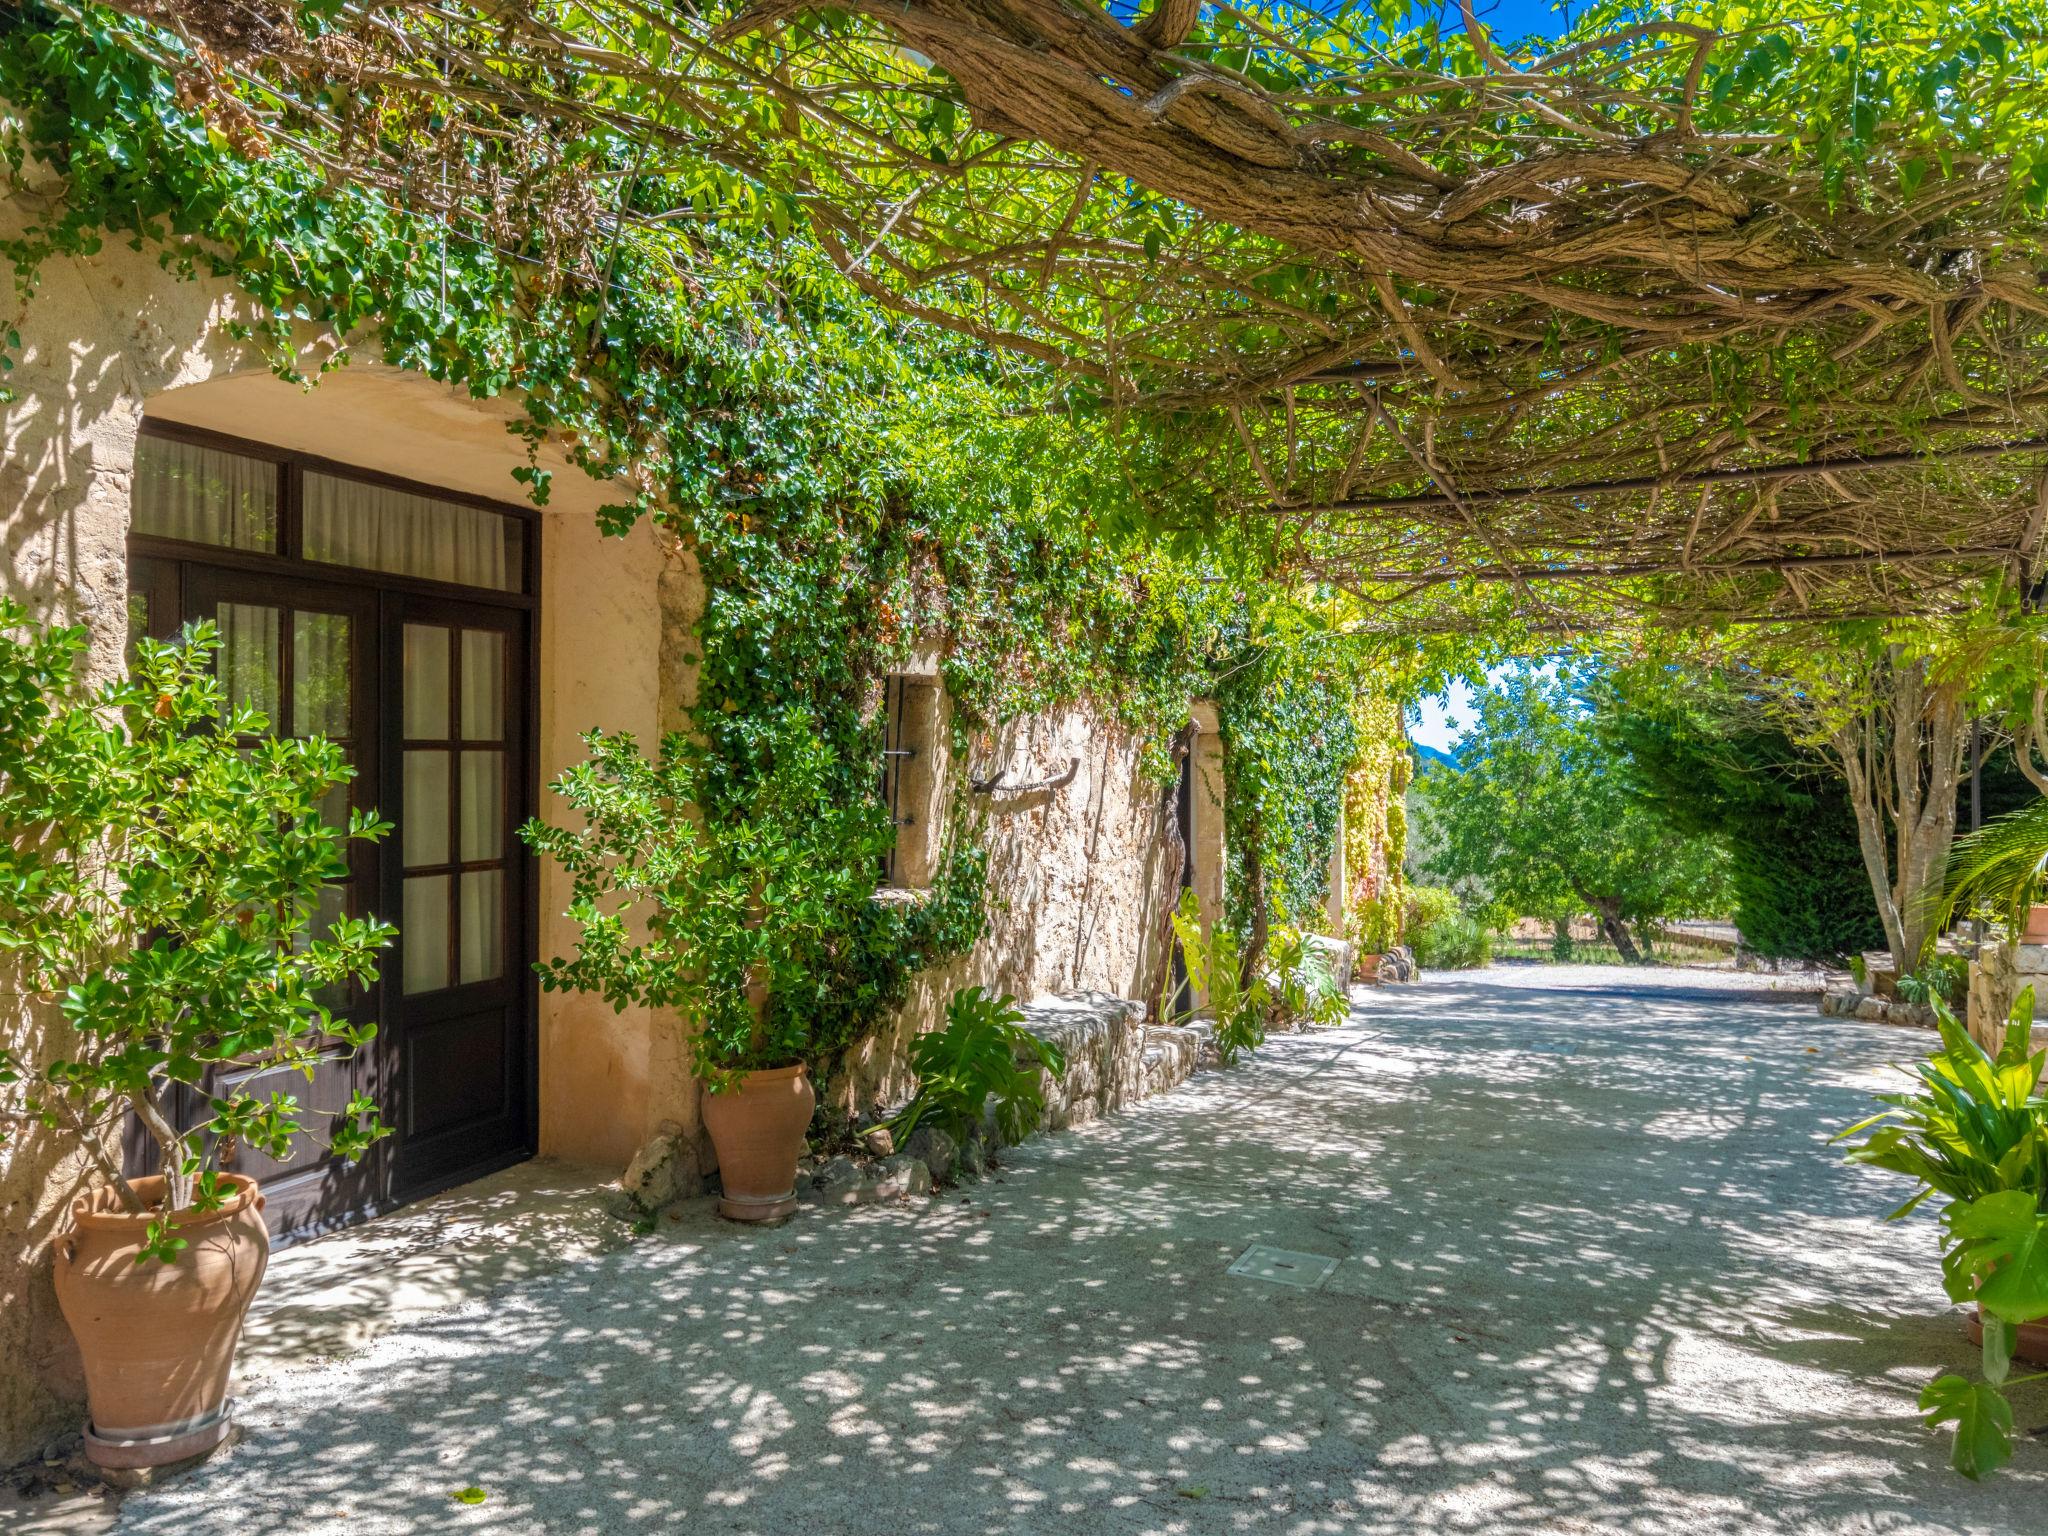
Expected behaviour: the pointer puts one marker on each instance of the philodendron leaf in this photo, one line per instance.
(2003, 1242)
(1999, 1338)
(1983, 1421)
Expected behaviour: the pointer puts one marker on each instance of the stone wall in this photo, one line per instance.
(1081, 877)
(1997, 972)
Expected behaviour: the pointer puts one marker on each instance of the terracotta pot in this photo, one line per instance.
(159, 1338)
(757, 1129)
(2036, 931)
(1366, 968)
(2031, 1345)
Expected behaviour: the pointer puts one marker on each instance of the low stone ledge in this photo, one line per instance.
(1176, 1052)
(1103, 1040)
(1340, 956)
(1847, 1003)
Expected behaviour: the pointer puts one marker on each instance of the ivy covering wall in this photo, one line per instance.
(850, 484)
(1376, 824)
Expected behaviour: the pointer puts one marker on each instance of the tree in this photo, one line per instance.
(1890, 706)
(1795, 866)
(1546, 814)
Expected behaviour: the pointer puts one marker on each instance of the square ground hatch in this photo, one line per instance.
(1283, 1266)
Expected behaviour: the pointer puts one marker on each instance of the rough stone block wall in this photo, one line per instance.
(1997, 972)
(1080, 881)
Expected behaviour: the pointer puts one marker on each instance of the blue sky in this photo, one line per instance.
(1439, 720)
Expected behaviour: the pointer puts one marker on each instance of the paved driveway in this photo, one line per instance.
(1595, 1271)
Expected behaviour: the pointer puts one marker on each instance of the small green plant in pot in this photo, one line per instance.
(717, 917)
(2002, 870)
(1974, 1131)
(158, 893)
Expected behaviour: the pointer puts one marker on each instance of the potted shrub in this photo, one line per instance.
(1379, 930)
(165, 864)
(2003, 869)
(1973, 1130)
(718, 916)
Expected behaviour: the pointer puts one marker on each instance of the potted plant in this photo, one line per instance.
(717, 913)
(1379, 930)
(2003, 869)
(165, 862)
(1974, 1131)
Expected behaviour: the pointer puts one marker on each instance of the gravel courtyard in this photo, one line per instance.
(1595, 1270)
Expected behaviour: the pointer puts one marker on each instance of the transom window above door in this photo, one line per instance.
(195, 490)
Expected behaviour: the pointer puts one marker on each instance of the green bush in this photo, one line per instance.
(1973, 1131)
(1442, 935)
(1458, 943)
(162, 886)
(983, 1051)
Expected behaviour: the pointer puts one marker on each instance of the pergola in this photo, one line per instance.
(1691, 323)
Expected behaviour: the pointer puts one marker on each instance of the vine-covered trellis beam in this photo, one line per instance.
(1356, 274)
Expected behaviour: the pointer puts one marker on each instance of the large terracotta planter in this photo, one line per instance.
(757, 1129)
(159, 1338)
(2036, 931)
(1366, 968)
(2031, 1345)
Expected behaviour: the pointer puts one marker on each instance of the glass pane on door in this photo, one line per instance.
(321, 681)
(250, 665)
(456, 812)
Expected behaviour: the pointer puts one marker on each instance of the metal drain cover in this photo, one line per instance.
(1283, 1266)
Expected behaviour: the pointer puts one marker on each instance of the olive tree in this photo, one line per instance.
(1546, 815)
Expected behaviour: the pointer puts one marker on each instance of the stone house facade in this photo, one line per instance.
(375, 574)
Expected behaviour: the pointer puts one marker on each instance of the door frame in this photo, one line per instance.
(169, 567)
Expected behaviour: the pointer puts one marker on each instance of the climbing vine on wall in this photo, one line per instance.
(850, 484)
(1375, 823)
(1284, 709)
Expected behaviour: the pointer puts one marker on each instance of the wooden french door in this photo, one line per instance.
(455, 878)
(429, 698)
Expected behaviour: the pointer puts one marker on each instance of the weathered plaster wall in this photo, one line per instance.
(615, 615)
(1079, 884)
(112, 338)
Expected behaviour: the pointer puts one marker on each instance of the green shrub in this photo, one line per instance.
(718, 917)
(1973, 1130)
(167, 867)
(1458, 943)
(1290, 983)
(1442, 935)
(1943, 977)
(984, 1051)
(1379, 923)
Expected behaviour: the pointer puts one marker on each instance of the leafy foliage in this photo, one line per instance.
(165, 868)
(1289, 982)
(742, 901)
(1974, 1131)
(1289, 740)
(1544, 812)
(1711, 770)
(2001, 869)
(1442, 935)
(982, 1052)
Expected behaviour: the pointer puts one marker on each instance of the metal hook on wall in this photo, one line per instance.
(996, 785)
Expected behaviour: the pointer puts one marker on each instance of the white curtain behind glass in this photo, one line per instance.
(204, 495)
(378, 529)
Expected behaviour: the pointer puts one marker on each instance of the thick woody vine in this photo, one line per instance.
(850, 485)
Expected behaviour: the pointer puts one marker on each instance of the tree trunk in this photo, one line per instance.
(1609, 912)
(171, 1146)
(1254, 957)
(1908, 774)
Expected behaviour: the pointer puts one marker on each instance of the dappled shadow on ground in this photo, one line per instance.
(1598, 1273)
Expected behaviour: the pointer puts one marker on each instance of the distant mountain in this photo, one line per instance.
(1429, 758)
